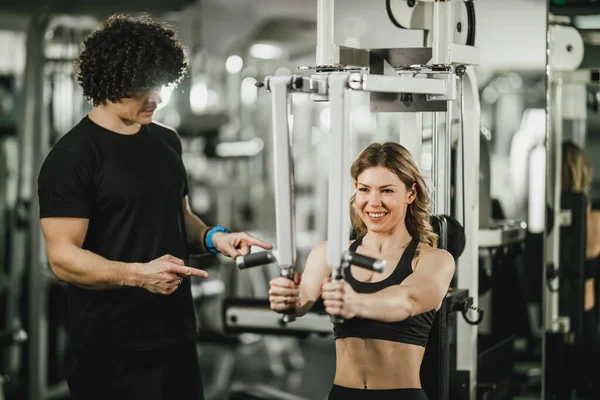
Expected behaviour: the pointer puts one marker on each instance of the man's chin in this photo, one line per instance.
(145, 120)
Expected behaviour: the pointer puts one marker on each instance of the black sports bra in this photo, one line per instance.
(590, 267)
(413, 330)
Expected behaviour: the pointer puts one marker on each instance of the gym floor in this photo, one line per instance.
(226, 366)
(253, 367)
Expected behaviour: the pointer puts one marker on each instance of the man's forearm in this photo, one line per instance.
(90, 271)
(391, 304)
(196, 231)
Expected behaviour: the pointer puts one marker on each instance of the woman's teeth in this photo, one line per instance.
(376, 215)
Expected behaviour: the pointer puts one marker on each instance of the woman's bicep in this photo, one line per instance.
(428, 285)
(593, 235)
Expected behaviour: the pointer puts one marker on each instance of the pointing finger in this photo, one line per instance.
(187, 271)
(252, 241)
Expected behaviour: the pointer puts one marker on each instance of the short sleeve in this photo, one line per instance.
(175, 142)
(65, 186)
(179, 148)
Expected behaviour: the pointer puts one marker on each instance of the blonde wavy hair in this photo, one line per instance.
(398, 160)
(576, 169)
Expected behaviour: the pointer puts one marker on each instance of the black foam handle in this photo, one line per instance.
(11, 336)
(288, 315)
(255, 259)
(366, 262)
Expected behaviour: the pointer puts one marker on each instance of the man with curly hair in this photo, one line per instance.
(115, 213)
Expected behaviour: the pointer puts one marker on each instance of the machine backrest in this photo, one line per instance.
(572, 260)
(451, 234)
(435, 369)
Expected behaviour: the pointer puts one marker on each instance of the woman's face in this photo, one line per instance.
(381, 199)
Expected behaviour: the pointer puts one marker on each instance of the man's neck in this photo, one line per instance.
(103, 117)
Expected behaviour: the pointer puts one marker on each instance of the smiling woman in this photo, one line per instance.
(387, 316)
(380, 172)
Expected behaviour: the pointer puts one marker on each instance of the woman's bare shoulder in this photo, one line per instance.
(428, 254)
(594, 221)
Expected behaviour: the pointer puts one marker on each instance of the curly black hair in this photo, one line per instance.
(126, 54)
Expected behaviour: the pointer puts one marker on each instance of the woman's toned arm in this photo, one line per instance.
(592, 248)
(285, 294)
(421, 291)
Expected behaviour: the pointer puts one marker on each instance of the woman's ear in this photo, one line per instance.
(412, 194)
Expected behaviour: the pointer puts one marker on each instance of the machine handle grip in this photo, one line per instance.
(338, 276)
(366, 262)
(255, 259)
(288, 315)
(11, 336)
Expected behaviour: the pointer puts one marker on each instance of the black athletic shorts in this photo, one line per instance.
(164, 374)
(344, 393)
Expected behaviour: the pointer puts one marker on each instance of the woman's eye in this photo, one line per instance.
(387, 191)
(363, 189)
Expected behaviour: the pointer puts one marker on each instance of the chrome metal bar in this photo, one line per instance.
(283, 173)
(447, 171)
(468, 264)
(253, 318)
(442, 32)
(399, 84)
(555, 166)
(325, 54)
(579, 129)
(338, 231)
(35, 143)
(435, 162)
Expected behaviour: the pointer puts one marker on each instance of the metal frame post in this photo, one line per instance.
(443, 32)
(327, 52)
(554, 144)
(410, 124)
(440, 169)
(34, 147)
(285, 224)
(338, 232)
(468, 264)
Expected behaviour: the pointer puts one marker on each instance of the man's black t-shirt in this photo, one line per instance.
(131, 189)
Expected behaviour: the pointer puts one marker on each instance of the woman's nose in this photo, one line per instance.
(374, 199)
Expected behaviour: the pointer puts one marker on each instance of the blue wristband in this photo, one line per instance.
(209, 237)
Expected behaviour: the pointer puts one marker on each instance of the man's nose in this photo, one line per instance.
(155, 96)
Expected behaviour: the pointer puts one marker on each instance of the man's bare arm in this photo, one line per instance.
(83, 268)
(195, 228)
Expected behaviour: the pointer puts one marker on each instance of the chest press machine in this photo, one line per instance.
(570, 85)
(412, 57)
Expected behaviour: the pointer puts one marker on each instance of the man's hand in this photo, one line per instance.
(340, 299)
(165, 274)
(237, 243)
